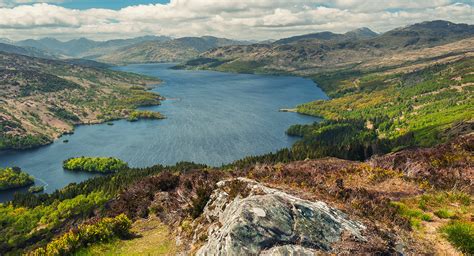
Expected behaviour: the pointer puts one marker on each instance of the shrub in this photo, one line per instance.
(102, 231)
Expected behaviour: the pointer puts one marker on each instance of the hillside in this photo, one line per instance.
(175, 50)
(407, 202)
(28, 51)
(361, 33)
(41, 99)
(309, 56)
(84, 47)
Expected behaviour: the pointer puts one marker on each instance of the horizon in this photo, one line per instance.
(106, 20)
(244, 40)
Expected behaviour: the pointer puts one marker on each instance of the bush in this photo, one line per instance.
(102, 231)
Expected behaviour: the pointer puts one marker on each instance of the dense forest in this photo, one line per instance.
(14, 178)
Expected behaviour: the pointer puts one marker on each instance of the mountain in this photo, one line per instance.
(423, 34)
(179, 49)
(41, 99)
(324, 51)
(28, 51)
(321, 36)
(361, 33)
(83, 47)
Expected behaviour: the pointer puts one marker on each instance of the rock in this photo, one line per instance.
(246, 218)
(289, 250)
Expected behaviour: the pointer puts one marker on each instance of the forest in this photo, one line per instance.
(14, 178)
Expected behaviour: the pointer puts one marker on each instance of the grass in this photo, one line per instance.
(153, 239)
(415, 216)
(461, 235)
(444, 214)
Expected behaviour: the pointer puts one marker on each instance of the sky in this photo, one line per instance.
(236, 19)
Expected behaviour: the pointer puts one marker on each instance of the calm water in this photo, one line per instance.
(213, 118)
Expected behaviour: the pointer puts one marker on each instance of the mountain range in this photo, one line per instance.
(325, 51)
(175, 50)
(84, 47)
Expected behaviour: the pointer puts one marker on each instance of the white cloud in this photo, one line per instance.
(230, 18)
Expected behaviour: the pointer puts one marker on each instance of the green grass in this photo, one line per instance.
(423, 103)
(153, 238)
(461, 235)
(444, 214)
(415, 216)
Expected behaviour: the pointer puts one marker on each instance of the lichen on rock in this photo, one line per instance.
(270, 222)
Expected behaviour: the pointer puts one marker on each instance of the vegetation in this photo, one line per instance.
(14, 178)
(94, 164)
(419, 104)
(136, 115)
(153, 238)
(104, 230)
(41, 99)
(35, 189)
(461, 235)
(29, 219)
(23, 226)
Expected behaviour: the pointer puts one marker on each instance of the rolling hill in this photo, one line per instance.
(28, 51)
(326, 51)
(41, 99)
(175, 50)
(84, 47)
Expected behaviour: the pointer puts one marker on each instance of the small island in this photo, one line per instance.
(144, 114)
(94, 164)
(36, 189)
(14, 178)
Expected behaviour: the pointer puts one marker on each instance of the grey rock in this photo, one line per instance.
(266, 220)
(289, 250)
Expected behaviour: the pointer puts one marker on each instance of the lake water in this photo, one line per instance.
(212, 118)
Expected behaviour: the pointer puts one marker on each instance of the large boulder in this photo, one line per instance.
(244, 217)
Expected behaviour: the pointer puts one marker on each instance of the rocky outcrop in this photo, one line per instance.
(244, 217)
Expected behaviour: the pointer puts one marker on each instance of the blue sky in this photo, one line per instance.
(107, 4)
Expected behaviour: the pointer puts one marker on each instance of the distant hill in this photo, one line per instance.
(427, 33)
(361, 33)
(28, 51)
(84, 47)
(87, 63)
(179, 49)
(326, 50)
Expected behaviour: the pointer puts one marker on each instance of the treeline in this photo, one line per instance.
(346, 139)
(94, 164)
(8, 141)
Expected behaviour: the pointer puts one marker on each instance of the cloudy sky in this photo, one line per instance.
(238, 19)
